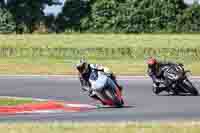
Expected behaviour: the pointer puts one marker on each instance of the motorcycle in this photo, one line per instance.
(105, 89)
(178, 81)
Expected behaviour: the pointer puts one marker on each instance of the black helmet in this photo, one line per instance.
(82, 66)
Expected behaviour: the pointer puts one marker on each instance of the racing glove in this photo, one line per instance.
(85, 88)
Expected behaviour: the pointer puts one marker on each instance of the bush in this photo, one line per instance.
(104, 15)
(134, 16)
(190, 20)
(7, 23)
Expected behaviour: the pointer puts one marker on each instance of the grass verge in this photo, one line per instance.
(7, 101)
(45, 66)
(58, 127)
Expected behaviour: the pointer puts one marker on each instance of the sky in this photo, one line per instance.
(56, 9)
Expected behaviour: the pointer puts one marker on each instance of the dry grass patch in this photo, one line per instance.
(59, 127)
(36, 69)
(68, 69)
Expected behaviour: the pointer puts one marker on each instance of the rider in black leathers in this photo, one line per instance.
(156, 70)
(85, 70)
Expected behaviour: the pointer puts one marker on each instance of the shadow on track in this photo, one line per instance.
(177, 95)
(112, 107)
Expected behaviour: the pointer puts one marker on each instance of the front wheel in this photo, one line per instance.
(113, 96)
(188, 86)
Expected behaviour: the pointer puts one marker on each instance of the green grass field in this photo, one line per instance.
(133, 64)
(60, 127)
(102, 40)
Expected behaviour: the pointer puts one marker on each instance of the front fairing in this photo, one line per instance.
(97, 80)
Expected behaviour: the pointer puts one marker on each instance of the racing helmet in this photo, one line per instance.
(82, 66)
(152, 62)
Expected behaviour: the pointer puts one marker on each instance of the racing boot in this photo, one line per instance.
(157, 89)
(171, 88)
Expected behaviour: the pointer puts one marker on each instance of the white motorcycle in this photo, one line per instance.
(105, 89)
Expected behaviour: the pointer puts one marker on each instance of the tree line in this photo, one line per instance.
(100, 16)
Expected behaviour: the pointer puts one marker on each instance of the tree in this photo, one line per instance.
(50, 23)
(28, 13)
(169, 11)
(104, 15)
(131, 17)
(7, 24)
(2, 3)
(72, 14)
(153, 15)
(136, 15)
(190, 20)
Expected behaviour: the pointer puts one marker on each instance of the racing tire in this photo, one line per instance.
(112, 95)
(190, 88)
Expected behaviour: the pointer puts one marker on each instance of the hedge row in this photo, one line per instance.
(102, 53)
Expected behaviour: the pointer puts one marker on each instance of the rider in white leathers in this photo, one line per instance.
(85, 70)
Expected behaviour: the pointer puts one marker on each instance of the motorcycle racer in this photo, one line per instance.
(85, 70)
(156, 70)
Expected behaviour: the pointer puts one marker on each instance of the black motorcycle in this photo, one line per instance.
(178, 81)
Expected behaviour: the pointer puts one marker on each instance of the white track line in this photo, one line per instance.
(41, 112)
(80, 106)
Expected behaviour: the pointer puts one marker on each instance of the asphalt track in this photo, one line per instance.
(143, 105)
